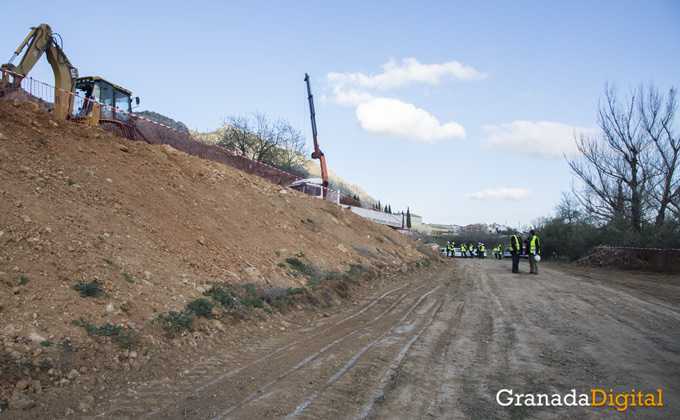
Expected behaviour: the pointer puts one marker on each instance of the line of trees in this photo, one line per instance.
(628, 178)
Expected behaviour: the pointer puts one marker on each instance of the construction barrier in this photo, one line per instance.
(137, 128)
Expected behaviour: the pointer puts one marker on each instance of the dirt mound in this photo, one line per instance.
(633, 258)
(153, 229)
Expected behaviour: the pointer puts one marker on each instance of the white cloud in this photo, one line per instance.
(397, 119)
(351, 97)
(410, 70)
(543, 139)
(501, 193)
(392, 117)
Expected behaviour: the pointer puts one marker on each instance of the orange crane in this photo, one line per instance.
(317, 153)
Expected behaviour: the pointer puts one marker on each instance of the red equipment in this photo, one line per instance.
(317, 154)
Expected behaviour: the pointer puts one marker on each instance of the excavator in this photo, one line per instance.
(87, 100)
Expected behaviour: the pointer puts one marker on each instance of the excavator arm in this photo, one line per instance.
(38, 42)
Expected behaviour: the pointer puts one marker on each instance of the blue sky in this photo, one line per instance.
(460, 111)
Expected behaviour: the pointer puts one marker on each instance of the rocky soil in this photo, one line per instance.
(153, 229)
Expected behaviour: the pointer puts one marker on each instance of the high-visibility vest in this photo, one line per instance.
(514, 244)
(533, 244)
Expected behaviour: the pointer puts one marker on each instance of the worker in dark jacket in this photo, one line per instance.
(516, 250)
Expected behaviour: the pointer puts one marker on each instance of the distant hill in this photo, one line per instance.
(154, 116)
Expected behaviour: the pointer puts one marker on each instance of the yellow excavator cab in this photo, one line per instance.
(102, 91)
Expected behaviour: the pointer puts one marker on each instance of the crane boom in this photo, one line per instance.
(317, 153)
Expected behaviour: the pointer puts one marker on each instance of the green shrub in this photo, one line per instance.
(355, 269)
(298, 265)
(90, 289)
(107, 330)
(222, 296)
(253, 296)
(175, 322)
(252, 302)
(201, 307)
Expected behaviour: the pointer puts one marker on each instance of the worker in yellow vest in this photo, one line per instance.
(516, 250)
(534, 251)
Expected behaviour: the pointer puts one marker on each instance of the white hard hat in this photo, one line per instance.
(537, 257)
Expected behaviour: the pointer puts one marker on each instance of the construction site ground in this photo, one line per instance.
(381, 328)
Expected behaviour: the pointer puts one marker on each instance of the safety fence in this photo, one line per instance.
(137, 128)
(664, 259)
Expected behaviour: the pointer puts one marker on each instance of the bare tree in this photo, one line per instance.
(658, 120)
(629, 171)
(568, 208)
(276, 143)
(290, 154)
(238, 135)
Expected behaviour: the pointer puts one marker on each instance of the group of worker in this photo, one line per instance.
(466, 250)
(470, 250)
(530, 246)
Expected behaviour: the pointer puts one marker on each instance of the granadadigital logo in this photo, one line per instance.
(595, 398)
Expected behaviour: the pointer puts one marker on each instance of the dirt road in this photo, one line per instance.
(440, 345)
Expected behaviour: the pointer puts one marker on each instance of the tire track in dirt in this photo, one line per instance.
(257, 377)
(446, 375)
(392, 371)
(353, 361)
(439, 345)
